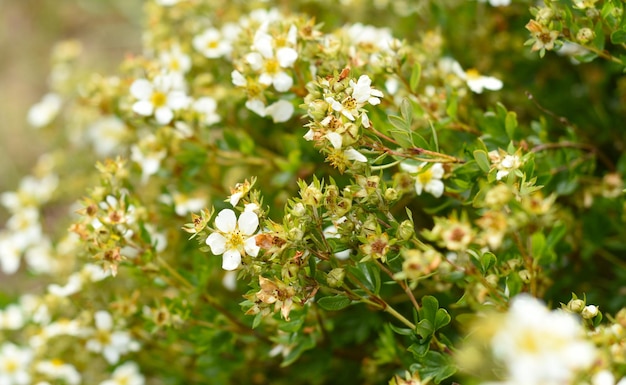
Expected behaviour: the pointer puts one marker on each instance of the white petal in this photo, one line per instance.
(419, 187)
(410, 168)
(226, 221)
(282, 82)
(141, 89)
(143, 107)
(281, 111)
(217, 243)
(286, 57)
(435, 187)
(335, 139)
(251, 247)
(238, 79)
(177, 100)
(248, 222)
(256, 106)
(492, 83)
(354, 155)
(437, 170)
(111, 355)
(266, 79)
(292, 35)
(263, 44)
(104, 321)
(255, 60)
(231, 260)
(309, 135)
(163, 115)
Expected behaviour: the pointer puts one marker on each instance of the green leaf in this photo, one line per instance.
(419, 350)
(618, 37)
(429, 308)
(436, 366)
(416, 74)
(292, 326)
(406, 111)
(452, 106)
(368, 274)
(514, 284)
(398, 122)
(442, 318)
(510, 124)
(335, 303)
(401, 331)
(424, 328)
(482, 159)
(538, 242)
(304, 343)
(487, 260)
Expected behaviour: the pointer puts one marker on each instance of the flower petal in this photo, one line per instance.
(435, 187)
(248, 222)
(231, 260)
(335, 139)
(286, 57)
(251, 247)
(141, 89)
(217, 243)
(164, 115)
(282, 82)
(103, 319)
(143, 107)
(352, 154)
(226, 221)
(437, 170)
(281, 111)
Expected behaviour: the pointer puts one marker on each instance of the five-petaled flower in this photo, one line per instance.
(234, 237)
(427, 179)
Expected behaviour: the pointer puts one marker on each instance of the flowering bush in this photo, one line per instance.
(321, 194)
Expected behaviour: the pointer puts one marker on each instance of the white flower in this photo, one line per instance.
(167, 3)
(58, 370)
(206, 106)
(270, 64)
(32, 192)
(280, 111)
(14, 364)
(149, 161)
(234, 237)
(477, 83)
(42, 113)
(332, 232)
(504, 163)
(212, 44)
(10, 254)
(603, 377)
(25, 228)
(336, 140)
(184, 204)
(11, 318)
(538, 346)
(175, 61)
(497, 3)
(106, 135)
(363, 93)
(110, 343)
(126, 374)
(74, 285)
(159, 97)
(427, 179)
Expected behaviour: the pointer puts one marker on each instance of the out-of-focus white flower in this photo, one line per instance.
(14, 364)
(538, 346)
(185, 204)
(148, 159)
(167, 3)
(32, 192)
(126, 374)
(25, 227)
(280, 111)
(229, 281)
(497, 3)
(207, 107)
(234, 237)
(212, 44)
(106, 135)
(477, 83)
(504, 163)
(11, 317)
(44, 112)
(603, 377)
(74, 285)
(40, 257)
(110, 343)
(160, 97)
(363, 92)
(426, 178)
(59, 370)
(331, 232)
(175, 60)
(270, 63)
(10, 253)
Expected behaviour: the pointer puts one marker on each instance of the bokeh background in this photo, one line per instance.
(107, 30)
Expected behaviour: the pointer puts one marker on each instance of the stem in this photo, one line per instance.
(385, 166)
(402, 284)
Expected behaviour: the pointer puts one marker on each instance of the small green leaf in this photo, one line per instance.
(398, 122)
(510, 124)
(406, 111)
(416, 74)
(419, 350)
(335, 303)
(618, 37)
(452, 106)
(424, 328)
(482, 159)
(538, 242)
(437, 366)
(401, 331)
(442, 318)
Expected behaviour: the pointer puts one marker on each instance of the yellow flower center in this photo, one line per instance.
(10, 366)
(349, 103)
(472, 73)
(158, 99)
(271, 66)
(213, 44)
(234, 240)
(175, 65)
(425, 176)
(104, 337)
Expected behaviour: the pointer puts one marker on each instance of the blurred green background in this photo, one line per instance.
(107, 29)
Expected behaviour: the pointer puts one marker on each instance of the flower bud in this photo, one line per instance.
(311, 196)
(406, 230)
(295, 234)
(585, 35)
(524, 275)
(335, 277)
(298, 210)
(576, 305)
(370, 225)
(391, 194)
(318, 109)
(544, 15)
(589, 312)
